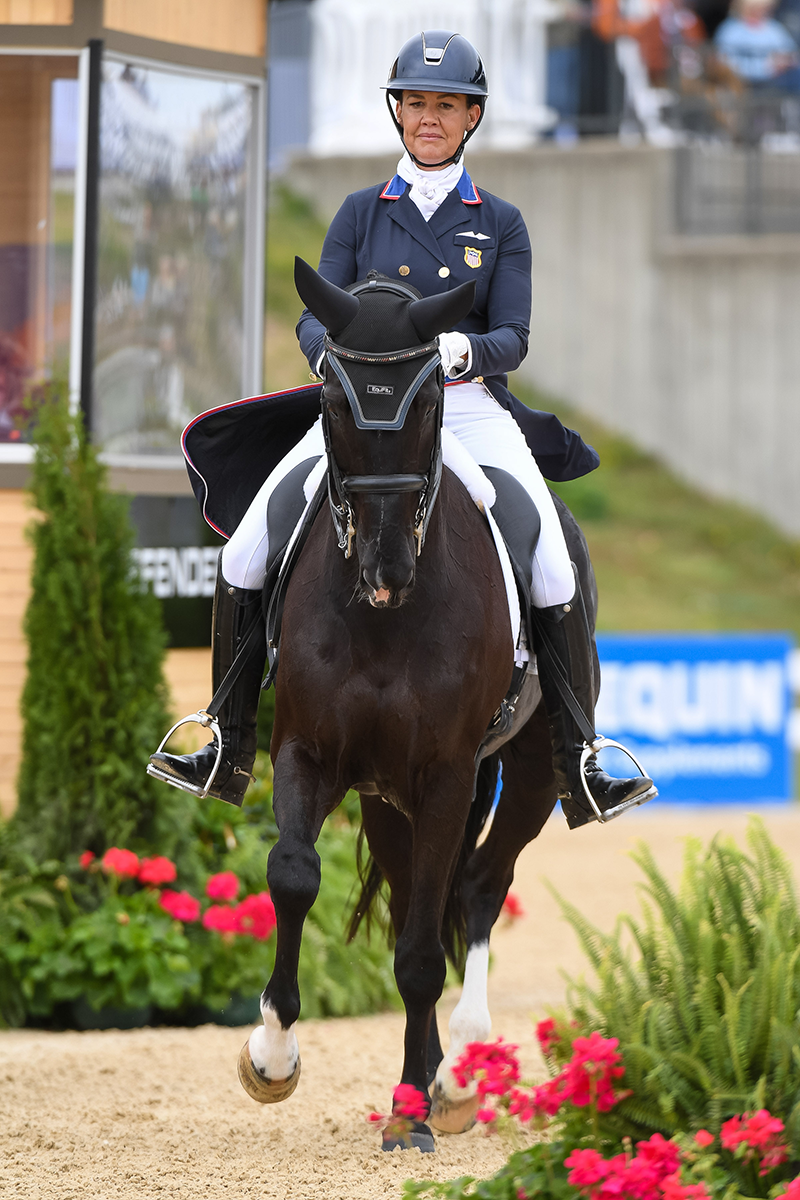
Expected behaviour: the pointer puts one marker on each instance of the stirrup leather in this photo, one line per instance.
(590, 751)
(208, 722)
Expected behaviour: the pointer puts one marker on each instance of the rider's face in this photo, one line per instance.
(434, 124)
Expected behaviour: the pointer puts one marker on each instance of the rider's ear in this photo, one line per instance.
(333, 307)
(435, 314)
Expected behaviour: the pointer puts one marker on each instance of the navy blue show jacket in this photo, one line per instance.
(472, 236)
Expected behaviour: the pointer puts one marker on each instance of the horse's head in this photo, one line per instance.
(382, 405)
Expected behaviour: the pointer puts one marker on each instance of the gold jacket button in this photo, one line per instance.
(404, 270)
(444, 272)
(477, 379)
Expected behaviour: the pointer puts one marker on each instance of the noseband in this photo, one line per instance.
(342, 487)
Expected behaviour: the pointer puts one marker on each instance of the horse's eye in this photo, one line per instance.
(332, 413)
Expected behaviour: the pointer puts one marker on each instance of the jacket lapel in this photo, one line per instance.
(449, 213)
(405, 212)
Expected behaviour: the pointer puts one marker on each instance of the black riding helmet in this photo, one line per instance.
(438, 61)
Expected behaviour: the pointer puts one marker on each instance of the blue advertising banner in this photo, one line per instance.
(706, 714)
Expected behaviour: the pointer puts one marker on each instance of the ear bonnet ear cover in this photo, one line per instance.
(436, 314)
(331, 305)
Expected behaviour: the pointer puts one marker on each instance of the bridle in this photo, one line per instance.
(342, 487)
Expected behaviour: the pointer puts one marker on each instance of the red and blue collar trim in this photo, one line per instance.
(465, 187)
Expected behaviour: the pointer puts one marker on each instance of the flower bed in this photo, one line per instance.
(676, 1074)
(137, 937)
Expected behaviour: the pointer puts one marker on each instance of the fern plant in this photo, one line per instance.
(703, 992)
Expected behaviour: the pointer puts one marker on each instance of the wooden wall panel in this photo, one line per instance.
(36, 12)
(188, 672)
(15, 568)
(233, 28)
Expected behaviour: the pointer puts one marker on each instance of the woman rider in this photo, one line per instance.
(431, 227)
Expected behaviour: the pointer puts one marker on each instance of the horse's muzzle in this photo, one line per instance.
(385, 593)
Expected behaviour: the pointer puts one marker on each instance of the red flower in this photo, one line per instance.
(224, 886)
(221, 918)
(409, 1102)
(255, 916)
(548, 1097)
(486, 1116)
(588, 1077)
(792, 1191)
(180, 905)
(673, 1189)
(86, 859)
(156, 871)
(761, 1133)
(121, 862)
(547, 1035)
(494, 1066)
(512, 907)
(588, 1168)
(703, 1138)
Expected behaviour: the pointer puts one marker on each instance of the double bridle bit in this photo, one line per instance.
(341, 487)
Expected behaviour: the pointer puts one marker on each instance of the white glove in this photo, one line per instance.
(456, 353)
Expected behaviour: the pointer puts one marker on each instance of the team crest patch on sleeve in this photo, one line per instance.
(472, 257)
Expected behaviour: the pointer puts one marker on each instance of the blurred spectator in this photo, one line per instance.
(564, 66)
(757, 48)
(635, 28)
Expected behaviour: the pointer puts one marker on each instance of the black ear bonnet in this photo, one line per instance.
(380, 380)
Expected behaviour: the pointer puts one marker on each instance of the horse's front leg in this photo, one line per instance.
(269, 1064)
(419, 960)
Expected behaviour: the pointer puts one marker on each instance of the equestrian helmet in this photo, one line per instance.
(438, 61)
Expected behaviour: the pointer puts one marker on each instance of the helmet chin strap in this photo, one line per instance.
(435, 166)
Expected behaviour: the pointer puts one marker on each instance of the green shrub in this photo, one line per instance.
(703, 993)
(95, 703)
(69, 934)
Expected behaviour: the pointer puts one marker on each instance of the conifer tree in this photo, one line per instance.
(95, 701)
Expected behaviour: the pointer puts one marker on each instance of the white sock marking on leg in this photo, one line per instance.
(471, 1020)
(273, 1049)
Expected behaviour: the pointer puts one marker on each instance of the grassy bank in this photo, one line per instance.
(666, 555)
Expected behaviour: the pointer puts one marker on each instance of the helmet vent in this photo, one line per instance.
(433, 55)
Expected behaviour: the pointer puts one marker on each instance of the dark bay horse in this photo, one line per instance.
(396, 653)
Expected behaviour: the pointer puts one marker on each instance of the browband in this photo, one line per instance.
(365, 357)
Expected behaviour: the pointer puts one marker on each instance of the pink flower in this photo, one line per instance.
(158, 870)
(221, 918)
(704, 1138)
(548, 1097)
(410, 1102)
(494, 1066)
(255, 916)
(121, 862)
(673, 1189)
(547, 1035)
(224, 886)
(587, 1168)
(512, 907)
(86, 859)
(761, 1133)
(792, 1191)
(486, 1116)
(181, 906)
(588, 1077)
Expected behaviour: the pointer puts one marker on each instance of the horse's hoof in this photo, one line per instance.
(265, 1091)
(420, 1138)
(453, 1116)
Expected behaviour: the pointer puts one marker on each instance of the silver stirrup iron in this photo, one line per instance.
(208, 722)
(589, 751)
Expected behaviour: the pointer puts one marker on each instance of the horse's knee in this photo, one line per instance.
(293, 874)
(420, 971)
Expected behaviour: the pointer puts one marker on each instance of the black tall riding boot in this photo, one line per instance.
(566, 628)
(235, 609)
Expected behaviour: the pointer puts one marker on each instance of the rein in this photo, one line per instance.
(342, 487)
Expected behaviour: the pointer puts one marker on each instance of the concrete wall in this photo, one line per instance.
(690, 345)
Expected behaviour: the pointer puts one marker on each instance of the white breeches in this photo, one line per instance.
(491, 437)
